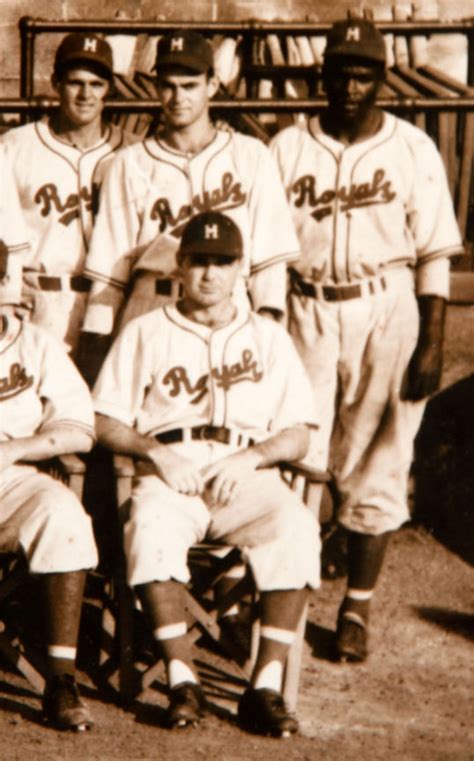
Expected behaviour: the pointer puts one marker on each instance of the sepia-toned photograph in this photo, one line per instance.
(237, 380)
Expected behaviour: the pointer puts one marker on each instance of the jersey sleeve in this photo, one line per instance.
(64, 394)
(430, 212)
(120, 388)
(13, 230)
(294, 398)
(112, 253)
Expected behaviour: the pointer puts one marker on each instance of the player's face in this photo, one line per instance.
(185, 97)
(208, 280)
(81, 96)
(351, 88)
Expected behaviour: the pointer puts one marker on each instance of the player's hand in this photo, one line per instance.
(424, 369)
(424, 372)
(178, 472)
(9, 541)
(225, 477)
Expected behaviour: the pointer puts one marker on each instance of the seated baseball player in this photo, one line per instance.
(208, 397)
(46, 410)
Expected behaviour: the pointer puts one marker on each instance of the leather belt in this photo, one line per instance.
(204, 433)
(64, 283)
(164, 287)
(337, 292)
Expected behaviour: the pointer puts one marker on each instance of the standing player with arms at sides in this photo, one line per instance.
(58, 167)
(209, 396)
(375, 220)
(152, 189)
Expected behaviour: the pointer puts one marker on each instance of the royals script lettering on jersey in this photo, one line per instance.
(226, 376)
(15, 382)
(47, 197)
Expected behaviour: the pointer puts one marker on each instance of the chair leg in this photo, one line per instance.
(17, 659)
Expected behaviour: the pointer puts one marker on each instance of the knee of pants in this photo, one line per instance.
(58, 537)
(292, 559)
(157, 542)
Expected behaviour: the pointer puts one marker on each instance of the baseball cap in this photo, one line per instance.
(79, 47)
(213, 233)
(355, 37)
(11, 268)
(185, 48)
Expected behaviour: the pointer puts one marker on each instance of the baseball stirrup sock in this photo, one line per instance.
(170, 631)
(270, 677)
(359, 594)
(285, 636)
(62, 651)
(179, 672)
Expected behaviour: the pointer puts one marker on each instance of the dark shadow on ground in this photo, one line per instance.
(444, 469)
(321, 641)
(449, 620)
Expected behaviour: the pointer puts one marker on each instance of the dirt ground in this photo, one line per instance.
(411, 700)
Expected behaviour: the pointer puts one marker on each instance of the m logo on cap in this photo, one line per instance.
(211, 232)
(353, 34)
(177, 43)
(90, 44)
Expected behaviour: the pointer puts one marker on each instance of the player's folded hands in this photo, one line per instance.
(224, 478)
(178, 472)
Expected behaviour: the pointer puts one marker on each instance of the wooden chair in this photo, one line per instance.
(119, 655)
(14, 574)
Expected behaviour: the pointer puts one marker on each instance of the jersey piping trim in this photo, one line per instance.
(174, 152)
(7, 341)
(229, 337)
(447, 252)
(92, 275)
(289, 257)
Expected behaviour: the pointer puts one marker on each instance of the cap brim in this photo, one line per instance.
(85, 58)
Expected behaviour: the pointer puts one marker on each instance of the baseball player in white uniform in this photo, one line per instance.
(45, 410)
(58, 165)
(151, 190)
(375, 221)
(209, 396)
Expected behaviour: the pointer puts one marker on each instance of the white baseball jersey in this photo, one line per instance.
(40, 389)
(165, 371)
(151, 191)
(367, 207)
(58, 187)
(12, 224)
(39, 385)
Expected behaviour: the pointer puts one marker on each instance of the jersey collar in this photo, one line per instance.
(336, 147)
(172, 313)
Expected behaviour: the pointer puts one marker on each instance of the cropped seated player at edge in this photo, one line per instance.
(46, 410)
(153, 188)
(208, 396)
(376, 226)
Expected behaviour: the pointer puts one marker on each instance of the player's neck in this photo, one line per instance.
(216, 316)
(81, 137)
(190, 140)
(352, 131)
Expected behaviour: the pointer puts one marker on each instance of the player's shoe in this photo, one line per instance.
(187, 705)
(263, 711)
(351, 637)
(62, 705)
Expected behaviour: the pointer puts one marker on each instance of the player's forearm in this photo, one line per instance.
(286, 446)
(123, 439)
(432, 311)
(41, 446)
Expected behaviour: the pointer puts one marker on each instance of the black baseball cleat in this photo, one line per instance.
(187, 705)
(263, 711)
(351, 638)
(62, 705)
